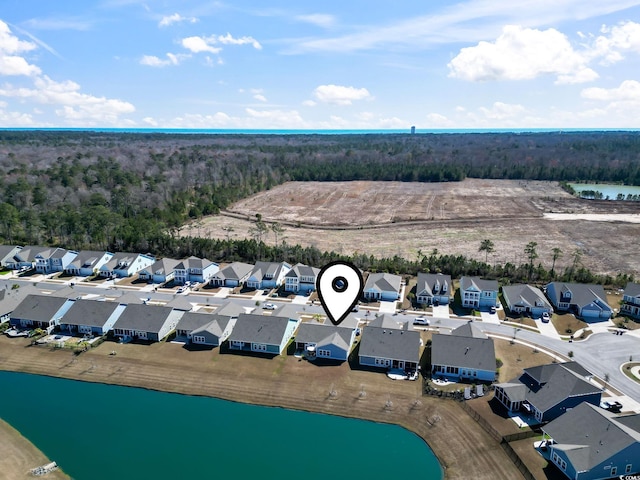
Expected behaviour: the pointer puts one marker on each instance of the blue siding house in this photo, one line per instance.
(390, 348)
(262, 333)
(478, 293)
(91, 317)
(526, 299)
(631, 300)
(267, 275)
(588, 302)
(329, 342)
(161, 271)
(196, 270)
(548, 391)
(590, 443)
(40, 311)
(232, 275)
(301, 279)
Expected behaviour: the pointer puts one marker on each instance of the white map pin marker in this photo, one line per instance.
(339, 287)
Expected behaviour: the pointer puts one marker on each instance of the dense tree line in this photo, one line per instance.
(132, 191)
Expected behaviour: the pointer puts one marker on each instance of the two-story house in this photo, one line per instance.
(266, 275)
(54, 260)
(233, 275)
(301, 279)
(476, 292)
(195, 270)
(161, 271)
(631, 300)
(87, 263)
(433, 289)
(588, 302)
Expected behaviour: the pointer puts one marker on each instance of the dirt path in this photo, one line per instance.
(462, 446)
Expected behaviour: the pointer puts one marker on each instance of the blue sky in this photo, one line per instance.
(351, 64)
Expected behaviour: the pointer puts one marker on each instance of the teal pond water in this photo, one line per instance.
(97, 431)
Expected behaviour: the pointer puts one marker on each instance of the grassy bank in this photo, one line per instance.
(462, 446)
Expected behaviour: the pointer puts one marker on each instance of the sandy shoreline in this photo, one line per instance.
(19, 455)
(282, 382)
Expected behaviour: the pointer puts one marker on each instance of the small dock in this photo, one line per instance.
(44, 469)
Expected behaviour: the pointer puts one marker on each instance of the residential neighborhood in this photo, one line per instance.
(270, 309)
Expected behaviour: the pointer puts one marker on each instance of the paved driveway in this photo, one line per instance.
(490, 318)
(387, 307)
(547, 329)
(441, 311)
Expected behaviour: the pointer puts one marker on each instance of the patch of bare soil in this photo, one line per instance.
(393, 218)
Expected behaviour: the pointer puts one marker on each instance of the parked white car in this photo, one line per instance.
(269, 306)
(421, 321)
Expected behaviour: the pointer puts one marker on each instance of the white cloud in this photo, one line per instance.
(436, 120)
(198, 45)
(54, 23)
(175, 18)
(171, 60)
(274, 119)
(617, 39)
(309, 103)
(74, 106)
(629, 90)
(209, 44)
(340, 95)
(14, 65)
(150, 121)
(10, 46)
(258, 94)
(318, 19)
(217, 120)
(522, 54)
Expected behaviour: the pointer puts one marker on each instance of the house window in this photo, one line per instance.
(237, 344)
(324, 353)
(198, 339)
(258, 347)
(628, 468)
(614, 471)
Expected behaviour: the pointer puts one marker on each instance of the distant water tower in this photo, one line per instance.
(413, 130)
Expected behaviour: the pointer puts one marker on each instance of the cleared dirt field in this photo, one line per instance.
(395, 218)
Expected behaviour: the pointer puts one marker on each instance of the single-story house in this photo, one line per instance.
(91, 317)
(40, 311)
(54, 260)
(232, 275)
(548, 391)
(301, 279)
(10, 298)
(588, 302)
(161, 271)
(146, 322)
(330, 342)
(526, 299)
(262, 333)
(87, 263)
(205, 328)
(433, 289)
(631, 300)
(266, 275)
(7, 252)
(476, 292)
(124, 264)
(465, 354)
(390, 348)
(195, 270)
(590, 443)
(382, 287)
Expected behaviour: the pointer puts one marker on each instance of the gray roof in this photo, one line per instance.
(235, 271)
(129, 298)
(164, 266)
(265, 329)
(427, 283)
(87, 258)
(632, 289)
(230, 309)
(560, 384)
(324, 334)
(581, 294)
(386, 320)
(263, 269)
(193, 320)
(590, 435)
(390, 343)
(29, 252)
(61, 252)
(89, 312)
(524, 295)
(40, 308)
(10, 298)
(301, 270)
(479, 283)
(145, 318)
(121, 260)
(180, 302)
(386, 282)
(215, 326)
(193, 262)
(8, 250)
(464, 348)
(516, 391)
